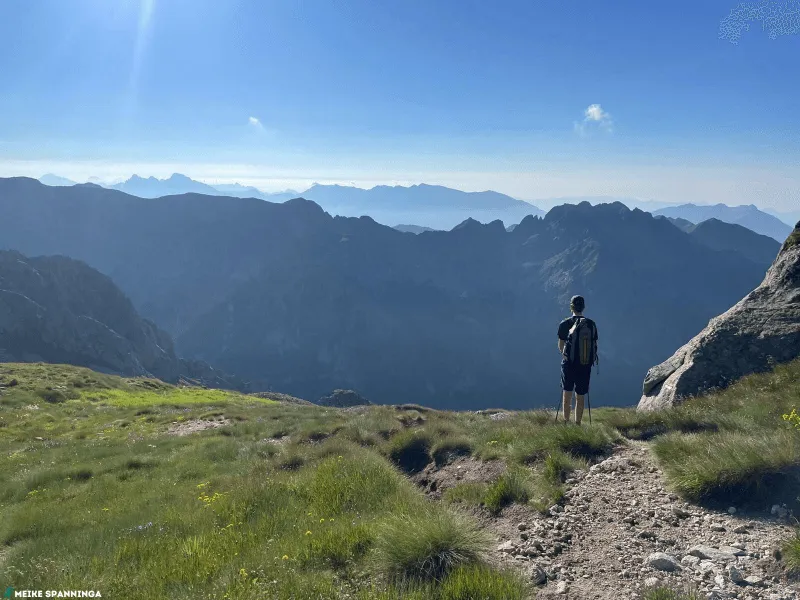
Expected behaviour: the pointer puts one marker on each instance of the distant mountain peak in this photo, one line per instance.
(749, 216)
(179, 177)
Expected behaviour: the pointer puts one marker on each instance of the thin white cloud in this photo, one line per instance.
(594, 116)
(256, 123)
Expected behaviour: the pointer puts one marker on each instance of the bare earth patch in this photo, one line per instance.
(465, 469)
(195, 425)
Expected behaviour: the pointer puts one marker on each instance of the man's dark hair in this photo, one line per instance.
(577, 303)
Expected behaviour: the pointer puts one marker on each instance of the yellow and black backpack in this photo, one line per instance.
(581, 347)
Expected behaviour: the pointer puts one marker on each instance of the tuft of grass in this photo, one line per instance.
(410, 450)
(451, 447)
(665, 593)
(793, 239)
(471, 493)
(727, 465)
(361, 482)
(513, 486)
(427, 545)
(478, 582)
(791, 551)
(585, 442)
(557, 465)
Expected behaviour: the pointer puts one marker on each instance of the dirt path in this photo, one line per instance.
(601, 541)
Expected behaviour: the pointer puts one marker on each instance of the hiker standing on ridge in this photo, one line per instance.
(577, 343)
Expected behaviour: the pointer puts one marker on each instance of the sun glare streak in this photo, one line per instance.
(142, 34)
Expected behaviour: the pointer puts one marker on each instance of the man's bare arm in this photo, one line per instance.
(561, 344)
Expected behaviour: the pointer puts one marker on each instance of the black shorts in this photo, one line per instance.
(575, 377)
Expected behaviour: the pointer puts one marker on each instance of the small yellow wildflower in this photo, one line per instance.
(242, 572)
(308, 533)
(285, 557)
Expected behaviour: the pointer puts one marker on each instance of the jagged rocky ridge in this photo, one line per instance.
(761, 330)
(60, 310)
(291, 298)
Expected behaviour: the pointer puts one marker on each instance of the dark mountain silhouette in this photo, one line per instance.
(681, 224)
(416, 229)
(292, 298)
(645, 205)
(60, 310)
(727, 237)
(747, 216)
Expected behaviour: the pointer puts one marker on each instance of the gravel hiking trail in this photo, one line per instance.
(619, 531)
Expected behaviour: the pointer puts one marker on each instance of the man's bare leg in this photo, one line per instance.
(567, 405)
(578, 409)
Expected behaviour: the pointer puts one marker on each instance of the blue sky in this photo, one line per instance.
(536, 99)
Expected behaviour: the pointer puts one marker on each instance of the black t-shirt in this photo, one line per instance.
(566, 325)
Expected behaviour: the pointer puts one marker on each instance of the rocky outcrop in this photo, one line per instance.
(343, 399)
(59, 310)
(762, 330)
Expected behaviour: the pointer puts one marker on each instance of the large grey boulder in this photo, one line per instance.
(762, 330)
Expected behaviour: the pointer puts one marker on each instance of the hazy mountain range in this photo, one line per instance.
(428, 206)
(437, 207)
(748, 216)
(289, 297)
(728, 237)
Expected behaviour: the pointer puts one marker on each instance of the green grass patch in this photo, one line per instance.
(791, 552)
(665, 593)
(427, 544)
(470, 494)
(514, 486)
(731, 466)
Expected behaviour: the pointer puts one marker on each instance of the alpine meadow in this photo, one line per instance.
(399, 301)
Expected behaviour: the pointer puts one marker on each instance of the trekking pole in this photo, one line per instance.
(589, 404)
(558, 408)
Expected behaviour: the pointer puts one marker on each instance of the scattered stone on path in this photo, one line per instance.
(538, 576)
(663, 562)
(598, 543)
(734, 574)
(652, 582)
(713, 554)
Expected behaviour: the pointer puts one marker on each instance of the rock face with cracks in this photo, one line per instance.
(762, 330)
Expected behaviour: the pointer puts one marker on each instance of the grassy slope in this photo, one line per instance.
(295, 501)
(282, 501)
(729, 446)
